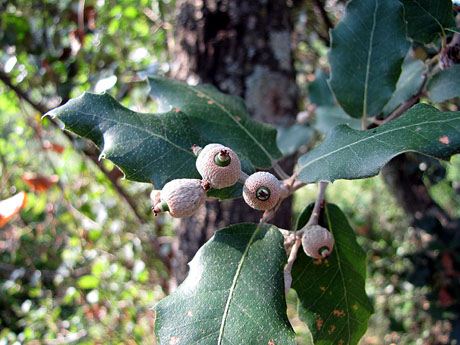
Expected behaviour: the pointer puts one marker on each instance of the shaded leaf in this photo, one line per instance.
(38, 183)
(426, 19)
(409, 83)
(350, 154)
(234, 293)
(329, 117)
(11, 206)
(319, 92)
(219, 118)
(445, 84)
(289, 139)
(332, 296)
(365, 64)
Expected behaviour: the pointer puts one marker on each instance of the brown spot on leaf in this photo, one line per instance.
(237, 118)
(318, 261)
(201, 95)
(444, 140)
(190, 313)
(322, 288)
(339, 313)
(271, 342)
(355, 307)
(340, 342)
(331, 330)
(202, 331)
(173, 340)
(319, 322)
(176, 110)
(210, 102)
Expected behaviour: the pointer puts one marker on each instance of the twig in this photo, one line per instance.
(406, 105)
(279, 170)
(290, 263)
(319, 204)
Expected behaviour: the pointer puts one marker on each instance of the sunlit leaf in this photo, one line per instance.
(350, 154)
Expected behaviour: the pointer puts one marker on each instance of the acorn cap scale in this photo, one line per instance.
(218, 165)
(317, 242)
(261, 190)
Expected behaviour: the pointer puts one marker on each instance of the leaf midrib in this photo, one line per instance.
(369, 56)
(233, 286)
(248, 133)
(370, 137)
(143, 129)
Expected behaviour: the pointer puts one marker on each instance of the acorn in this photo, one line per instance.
(218, 165)
(181, 198)
(317, 242)
(261, 190)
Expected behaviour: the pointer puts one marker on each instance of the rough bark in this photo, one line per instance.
(243, 47)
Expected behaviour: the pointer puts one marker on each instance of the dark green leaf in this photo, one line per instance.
(365, 63)
(332, 297)
(426, 19)
(409, 83)
(147, 147)
(289, 139)
(445, 84)
(219, 118)
(234, 293)
(350, 154)
(319, 92)
(329, 117)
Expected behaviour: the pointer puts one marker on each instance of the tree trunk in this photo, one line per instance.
(243, 47)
